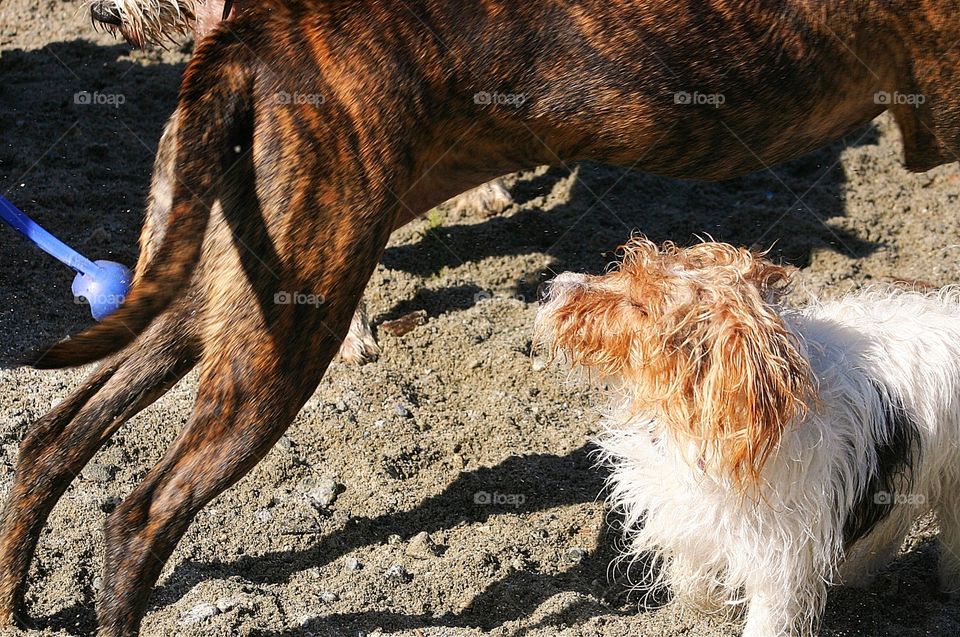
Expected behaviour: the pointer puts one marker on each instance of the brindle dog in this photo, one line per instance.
(308, 130)
(152, 22)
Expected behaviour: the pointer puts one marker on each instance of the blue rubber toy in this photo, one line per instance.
(103, 284)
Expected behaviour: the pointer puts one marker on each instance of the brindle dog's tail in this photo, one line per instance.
(215, 130)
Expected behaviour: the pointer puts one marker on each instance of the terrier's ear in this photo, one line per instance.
(744, 381)
(772, 280)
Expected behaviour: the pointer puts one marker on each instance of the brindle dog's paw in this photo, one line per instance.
(489, 199)
(360, 346)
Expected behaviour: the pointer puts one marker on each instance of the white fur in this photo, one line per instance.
(777, 553)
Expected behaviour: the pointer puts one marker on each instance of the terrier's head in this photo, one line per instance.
(692, 337)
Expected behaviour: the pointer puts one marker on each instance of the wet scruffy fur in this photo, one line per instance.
(259, 196)
(758, 453)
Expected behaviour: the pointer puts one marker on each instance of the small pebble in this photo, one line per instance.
(576, 555)
(263, 515)
(226, 605)
(422, 547)
(286, 443)
(97, 473)
(329, 597)
(325, 493)
(539, 365)
(398, 573)
(352, 564)
(402, 411)
(199, 613)
(405, 324)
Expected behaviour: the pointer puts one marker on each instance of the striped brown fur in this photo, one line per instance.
(256, 195)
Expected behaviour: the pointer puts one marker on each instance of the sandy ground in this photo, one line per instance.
(454, 410)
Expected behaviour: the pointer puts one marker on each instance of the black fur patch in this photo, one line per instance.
(894, 474)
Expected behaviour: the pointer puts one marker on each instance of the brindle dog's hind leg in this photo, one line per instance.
(58, 446)
(261, 363)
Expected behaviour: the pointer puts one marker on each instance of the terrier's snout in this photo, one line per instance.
(106, 13)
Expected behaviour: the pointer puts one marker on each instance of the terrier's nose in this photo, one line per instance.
(106, 12)
(543, 292)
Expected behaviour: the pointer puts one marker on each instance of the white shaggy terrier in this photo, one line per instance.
(762, 453)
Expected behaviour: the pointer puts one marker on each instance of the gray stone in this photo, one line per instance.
(398, 573)
(96, 472)
(324, 494)
(329, 597)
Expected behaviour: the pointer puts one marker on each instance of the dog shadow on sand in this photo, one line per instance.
(509, 599)
(902, 602)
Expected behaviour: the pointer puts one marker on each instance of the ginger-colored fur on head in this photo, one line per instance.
(693, 338)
